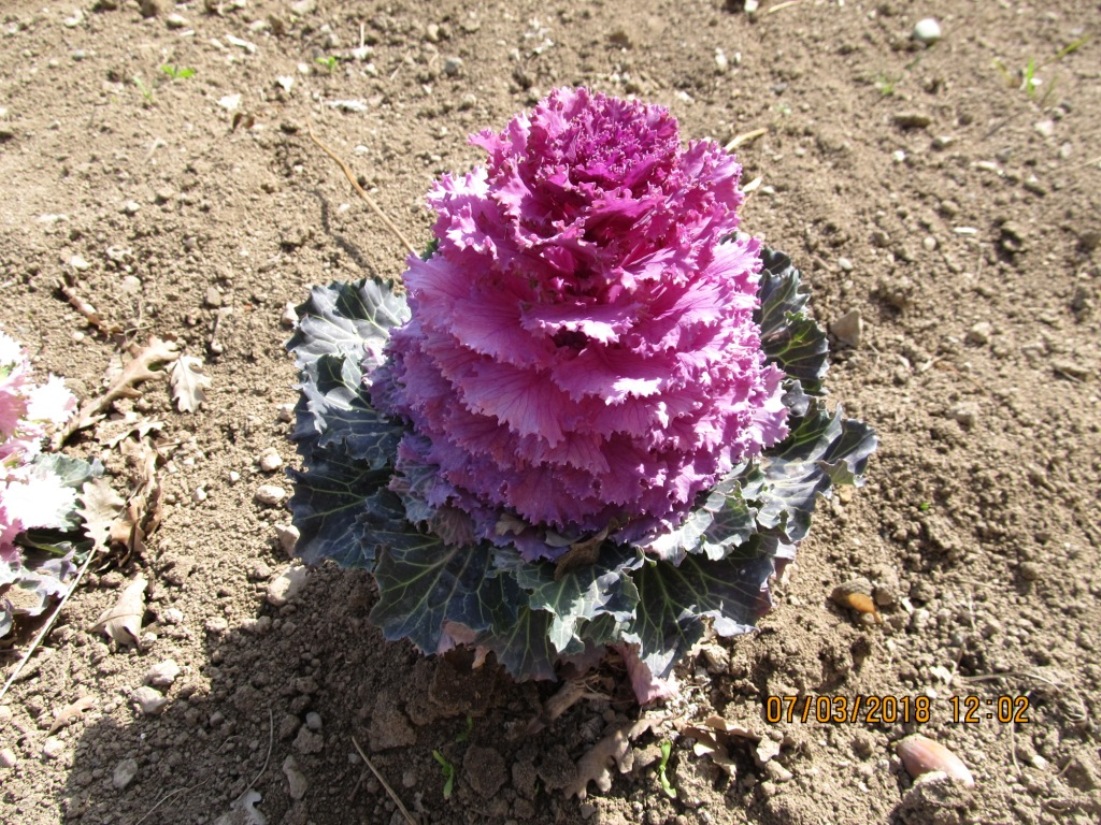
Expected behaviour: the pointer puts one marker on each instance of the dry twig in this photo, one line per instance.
(397, 800)
(361, 192)
(46, 628)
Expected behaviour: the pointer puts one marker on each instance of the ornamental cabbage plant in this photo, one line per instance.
(592, 419)
(39, 492)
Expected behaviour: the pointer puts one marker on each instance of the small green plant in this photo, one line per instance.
(328, 62)
(465, 733)
(146, 92)
(1028, 79)
(885, 84)
(448, 774)
(177, 72)
(663, 777)
(925, 506)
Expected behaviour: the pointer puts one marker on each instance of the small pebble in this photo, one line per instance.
(849, 328)
(176, 21)
(162, 674)
(234, 476)
(216, 626)
(845, 265)
(287, 584)
(213, 297)
(452, 66)
(270, 460)
(5, 714)
(8, 758)
(171, 616)
(980, 333)
(148, 700)
(289, 318)
(927, 31)
(270, 494)
(199, 496)
(78, 263)
(296, 781)
(287, 535)
(929, 243)
(124, 773)
(313, 720)
(131, 207)
(52, 747)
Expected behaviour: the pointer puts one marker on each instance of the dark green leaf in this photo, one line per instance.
(822, 450)
(675, 598)
(790, 339)
(331, 506)
(424, 583)
(583, 593)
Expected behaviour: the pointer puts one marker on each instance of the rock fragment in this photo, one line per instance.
(149, 701)
(287, 584)
(849, 328)
(162, 674)
(270, 495)
(124, 773)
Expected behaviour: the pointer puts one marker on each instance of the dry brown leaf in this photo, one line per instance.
(143, 511)
(111, 433)
(594, 766)
(713, 737)
(139, 369)
(189, 383)
(99, 507)
(70, 713)
(123, 621)
(571, 692)
(580, 554)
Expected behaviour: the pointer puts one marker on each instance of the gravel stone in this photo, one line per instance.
(149, 701)
(286, 585)
(124, 773)
(270, 495)
(162, 674)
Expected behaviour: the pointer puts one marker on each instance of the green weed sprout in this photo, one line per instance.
(146, 92)
(177, 72)
(663, 777)
(448, 774)
(328, 62)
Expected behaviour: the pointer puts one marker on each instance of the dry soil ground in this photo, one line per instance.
(955, 208)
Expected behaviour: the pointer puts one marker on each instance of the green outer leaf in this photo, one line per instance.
(336, 398)
(330, 508)
(674, 600)
(821, 450)
(424, 583)
(604, 587)
(789, 339)
(347, 318)
(524, 646)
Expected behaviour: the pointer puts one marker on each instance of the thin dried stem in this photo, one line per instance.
(361, 192)
(46, 628)
(397, 800)
(782, 6)
(744, 138)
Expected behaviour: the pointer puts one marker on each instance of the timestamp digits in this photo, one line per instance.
(860, 709)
